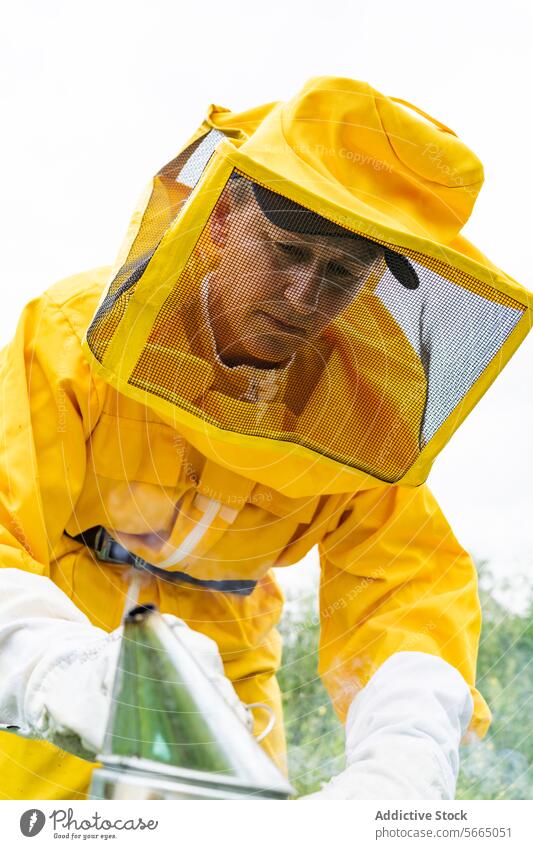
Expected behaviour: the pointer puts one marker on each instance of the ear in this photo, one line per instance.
(220, 224)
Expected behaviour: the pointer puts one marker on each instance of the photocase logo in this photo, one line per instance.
(32, 822)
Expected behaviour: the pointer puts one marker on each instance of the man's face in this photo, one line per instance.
(274, 290)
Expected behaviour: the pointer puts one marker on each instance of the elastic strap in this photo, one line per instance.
(109, 550)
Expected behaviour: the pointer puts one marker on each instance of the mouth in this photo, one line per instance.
(282, 325)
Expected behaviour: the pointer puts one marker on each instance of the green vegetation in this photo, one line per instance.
(499, 767)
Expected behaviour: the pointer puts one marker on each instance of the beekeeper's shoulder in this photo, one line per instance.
(76, 298)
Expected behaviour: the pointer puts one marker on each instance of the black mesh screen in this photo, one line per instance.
(171, 188)
(286, 325)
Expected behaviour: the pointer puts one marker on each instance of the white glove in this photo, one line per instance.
(57, 669)
(403, 732)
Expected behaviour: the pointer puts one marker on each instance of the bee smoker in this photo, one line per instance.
(170, 733)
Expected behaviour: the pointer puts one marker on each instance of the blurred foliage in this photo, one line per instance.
(498, 767)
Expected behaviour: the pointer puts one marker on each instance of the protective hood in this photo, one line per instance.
(294, 297)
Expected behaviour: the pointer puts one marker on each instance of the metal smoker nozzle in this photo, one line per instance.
(170, 734)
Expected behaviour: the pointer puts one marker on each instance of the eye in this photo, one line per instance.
(290, 250)
(338, 270)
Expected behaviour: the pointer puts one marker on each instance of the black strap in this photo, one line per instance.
(109, 550)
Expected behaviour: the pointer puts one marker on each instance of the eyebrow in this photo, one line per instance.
(343, 256)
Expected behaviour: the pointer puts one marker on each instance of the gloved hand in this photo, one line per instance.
(58, 681)
(403, 732)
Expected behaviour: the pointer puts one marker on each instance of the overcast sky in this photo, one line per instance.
(97, 96)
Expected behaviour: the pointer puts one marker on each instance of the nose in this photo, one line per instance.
(303, 290)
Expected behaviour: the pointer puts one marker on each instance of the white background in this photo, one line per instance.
(96, 96)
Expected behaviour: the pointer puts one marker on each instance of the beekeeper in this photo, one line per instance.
(292, 331)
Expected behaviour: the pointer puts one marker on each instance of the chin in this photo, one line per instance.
(274, 355)
(270, 357)
(272, 347)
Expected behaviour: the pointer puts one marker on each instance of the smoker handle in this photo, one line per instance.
(271, 721)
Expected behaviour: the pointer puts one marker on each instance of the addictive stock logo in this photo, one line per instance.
(32, 822)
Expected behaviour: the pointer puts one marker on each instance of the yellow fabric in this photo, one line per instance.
(77, 453)
(394, 578)
(345, 141)
(378, 167)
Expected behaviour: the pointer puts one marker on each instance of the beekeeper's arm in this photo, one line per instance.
(400, 624)
(56, 667)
